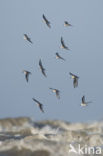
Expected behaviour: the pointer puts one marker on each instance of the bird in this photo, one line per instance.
(75, 79)
(67, 24)
(56, 91)
(39, 105)
(63, 44)
(27, 73)
(84, 103)
(46, 21)
(42, 68)
(27, 38)
(59, 57)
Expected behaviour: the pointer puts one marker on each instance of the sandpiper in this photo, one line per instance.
(59, 57)
(67, 24)
(63, 44)
(42, 68)
(39, 105)
(27, 38)
(27, 73)
(75, 79)
(56, 91)
(84, 103)
(46, 21)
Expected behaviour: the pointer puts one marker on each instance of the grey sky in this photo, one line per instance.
(85, 58)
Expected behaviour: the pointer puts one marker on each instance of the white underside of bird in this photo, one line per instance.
(85, 104)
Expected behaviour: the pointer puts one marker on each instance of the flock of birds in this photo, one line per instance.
(42, 69)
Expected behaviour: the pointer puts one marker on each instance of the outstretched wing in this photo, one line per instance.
(43, 72)
(58, 94)
(42, 68)
(57, 54)
(27, 77)
(75, 82)
(35, 100)
(40, 64)
(46, 21)
(71, 74)
(67, 24)
(27, 38)
(41, 107)
(63, 44)
(39, 104)
(83, 99)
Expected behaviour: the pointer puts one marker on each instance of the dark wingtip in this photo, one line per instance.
(50, 88)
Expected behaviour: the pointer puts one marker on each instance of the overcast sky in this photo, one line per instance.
(85, 58)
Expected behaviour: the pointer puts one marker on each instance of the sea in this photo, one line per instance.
(23, 136)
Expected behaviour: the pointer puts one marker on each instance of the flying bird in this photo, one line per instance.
(59, 57)
(56, 91)
(75, 79)
(63, 44)
(46, 21)
(42, 68)
(84, 103)
(27, 38)
(39, 105)
(67, 24)
(27, 73)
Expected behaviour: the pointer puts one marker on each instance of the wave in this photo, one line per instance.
(23, 136)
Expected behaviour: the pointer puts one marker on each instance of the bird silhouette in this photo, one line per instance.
(67, 24)
(59, 57)
(75, 79)
(46, 21)
(84, 103)
(42, 68)
(56, 91)
(27, 38)
(39, 105)
(27, 73)
(63, 44)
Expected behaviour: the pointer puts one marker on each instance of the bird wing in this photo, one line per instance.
(63, 44)
(57, 54)
(83, 99)
(39, 104)
(42, 69)
(36, 100)
(41, 107)
(61, 58)
(67, 23)
(75, 82)
(43, 72)
(40, 64)
(51, 88)
(27, 76)
(57, 94)
(29, 40)
(26, 36)
(45, 18)
(47, 22)
(71, 74)
(62, 41)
